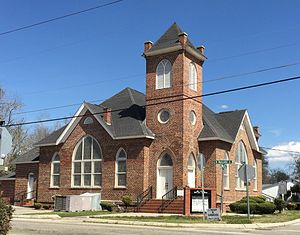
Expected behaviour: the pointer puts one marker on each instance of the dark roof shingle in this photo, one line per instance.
(31, 155)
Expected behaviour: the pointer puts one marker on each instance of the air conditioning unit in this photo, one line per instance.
(83, 202)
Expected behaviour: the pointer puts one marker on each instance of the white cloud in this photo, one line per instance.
(276, 156)
(224, 106)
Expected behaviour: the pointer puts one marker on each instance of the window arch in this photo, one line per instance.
(163, 74)
(255, 175)
(226, 172)
(165, 160)
(240, 158)
(193, 77)
(55, 171)
(121, 168)
(87, 163)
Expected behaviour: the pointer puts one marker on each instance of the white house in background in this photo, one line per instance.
(5, 144)
(270, 191)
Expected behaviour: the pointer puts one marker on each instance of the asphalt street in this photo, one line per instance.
(66, 227)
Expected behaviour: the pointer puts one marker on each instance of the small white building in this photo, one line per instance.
(270, 191)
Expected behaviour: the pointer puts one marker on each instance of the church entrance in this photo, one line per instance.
(164, 175)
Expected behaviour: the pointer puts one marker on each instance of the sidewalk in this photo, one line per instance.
(30, 213)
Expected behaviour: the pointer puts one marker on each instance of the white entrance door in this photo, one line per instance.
(191, 178)
(30, 186)
(164, 181)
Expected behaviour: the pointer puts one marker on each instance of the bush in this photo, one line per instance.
(280, 204)
(265, 208)
(37, 206)
(291, 206)
(127, 201)
(258, 205)
(5, 217)
(46, 206)
(296, 188)
(107, 206)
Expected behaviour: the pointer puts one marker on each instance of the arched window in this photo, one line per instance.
(255, 175)
(193, 77)
(163, 74)
(240, 158)
(191, 171)
(166, 160)
(55, 171)
(226, 172)
(121, 168)
(87, 159)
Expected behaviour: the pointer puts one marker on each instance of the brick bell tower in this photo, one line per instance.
(173, 76)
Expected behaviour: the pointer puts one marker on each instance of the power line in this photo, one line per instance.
(137, 75)
(59, 17)
(254, 52)
(281, 150)
(163, 102)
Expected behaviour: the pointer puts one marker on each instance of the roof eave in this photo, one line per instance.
(27, 162)
(215, 138)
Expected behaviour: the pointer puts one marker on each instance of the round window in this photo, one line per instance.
(163, 116)
(193, 117)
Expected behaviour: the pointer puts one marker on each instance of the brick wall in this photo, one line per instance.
(178, 136)
(7, 190)
(22, 172)
(135, 149)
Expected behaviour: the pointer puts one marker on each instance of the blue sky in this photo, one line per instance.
(94, 55)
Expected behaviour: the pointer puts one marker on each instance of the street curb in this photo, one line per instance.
(186, 225)
(37, 216)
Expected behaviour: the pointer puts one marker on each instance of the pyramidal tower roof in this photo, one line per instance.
(170, 39)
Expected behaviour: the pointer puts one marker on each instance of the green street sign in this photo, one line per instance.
(223, 162)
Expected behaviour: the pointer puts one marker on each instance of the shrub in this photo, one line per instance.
(258, 205)
(46, 206)
(107, 206)
(291, 206)
(280, 204)
(37, 206)
(127, 201)
(5, 217)
(296, 188)
(265, 208)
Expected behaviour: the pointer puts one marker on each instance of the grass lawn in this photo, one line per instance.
(275, 218)
(73, 214)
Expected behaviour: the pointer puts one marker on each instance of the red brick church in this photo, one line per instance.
(134, 141)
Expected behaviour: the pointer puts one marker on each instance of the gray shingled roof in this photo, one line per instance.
(31, 155)
(130, 120)
(169, 39)
(51, 139)
(10, 175)
(223, 126)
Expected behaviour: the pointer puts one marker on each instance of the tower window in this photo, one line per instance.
(193, 77)
(163, 116)
(163, 74)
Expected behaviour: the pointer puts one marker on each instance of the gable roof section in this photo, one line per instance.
(225, 126)
(128, 119)
(31, 156)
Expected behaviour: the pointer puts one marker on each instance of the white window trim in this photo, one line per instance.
(227, 175)
(52, 170)
(117, 173)
(193, 81)
(241, 146)
(255, 175)
(82, 164)
(163, 62)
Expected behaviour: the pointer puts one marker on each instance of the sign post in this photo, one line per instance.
(201, 165)
(247, 173)
(222, 163)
